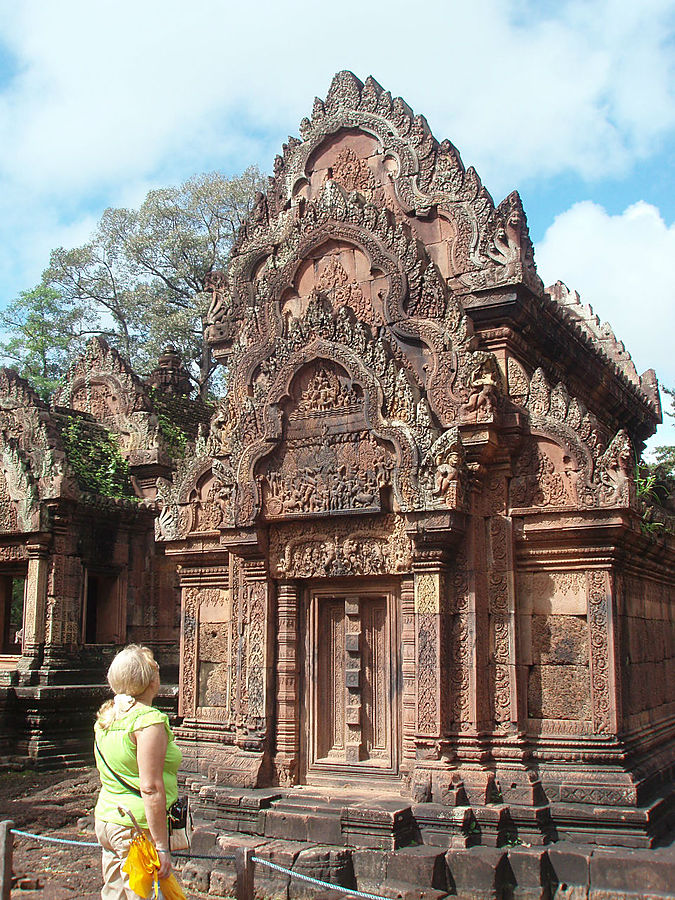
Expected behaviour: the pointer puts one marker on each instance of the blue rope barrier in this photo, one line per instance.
(256, 859)
(333, 887)
(54, 840)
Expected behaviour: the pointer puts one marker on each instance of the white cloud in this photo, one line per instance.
(624, 266)
(111, 86)
(100, 101)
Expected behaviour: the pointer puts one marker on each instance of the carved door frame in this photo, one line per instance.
(316, 771)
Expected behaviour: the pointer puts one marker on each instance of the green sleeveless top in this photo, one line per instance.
(120, 754)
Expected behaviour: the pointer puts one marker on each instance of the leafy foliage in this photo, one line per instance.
(45, 330)
(173, 434)
(655, 484)
(665, 455)
(95, 458)
(144, 271)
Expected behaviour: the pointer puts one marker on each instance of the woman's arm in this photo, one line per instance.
(151, 744)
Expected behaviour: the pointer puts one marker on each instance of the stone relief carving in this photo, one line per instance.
(427, 608)
(589, 474)
(598, 590)
(493, 244)
(352, 172)
(375, 548)
(519, 383)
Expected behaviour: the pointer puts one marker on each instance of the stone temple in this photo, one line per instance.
(401, 568)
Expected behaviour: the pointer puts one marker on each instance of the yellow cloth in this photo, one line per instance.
(142, 864)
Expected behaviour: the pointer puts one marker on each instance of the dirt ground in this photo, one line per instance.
(57, 804)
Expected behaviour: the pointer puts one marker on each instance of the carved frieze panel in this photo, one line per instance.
(342, 274)
(543, 476)
(96, 398)
(373, 547)
(207, 650)
(600, 663)
(8, 514)
(587, 467)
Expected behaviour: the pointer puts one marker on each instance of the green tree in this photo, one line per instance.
(665, 455)
(655, 479)
(144, 272)
(44, 331)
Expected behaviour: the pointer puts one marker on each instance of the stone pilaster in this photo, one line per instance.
(288, 700)
(429, 569)
(35, 606)
(408, 673)
(506, 707)
(604, 683)
(254, 653)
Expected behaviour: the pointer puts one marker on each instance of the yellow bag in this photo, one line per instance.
(142, 865)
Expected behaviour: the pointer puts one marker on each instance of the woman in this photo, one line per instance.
(133, 742)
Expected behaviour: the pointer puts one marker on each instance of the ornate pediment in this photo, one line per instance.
(570, 460)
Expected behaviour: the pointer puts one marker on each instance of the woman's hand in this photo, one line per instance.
(151, 744)
(164, 864)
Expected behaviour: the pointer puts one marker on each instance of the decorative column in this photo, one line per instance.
(430, 609)
(408, 674)
(254, 654)
(504, 700)
(288, 700)
(35, 608)
(604, 680)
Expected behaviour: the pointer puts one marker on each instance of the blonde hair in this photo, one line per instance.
(131, 672)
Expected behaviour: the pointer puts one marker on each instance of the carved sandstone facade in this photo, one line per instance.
(80, 572)
(406, 543)
(409, 548)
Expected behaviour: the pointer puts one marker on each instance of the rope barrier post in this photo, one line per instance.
(243, 864)
(6, 848)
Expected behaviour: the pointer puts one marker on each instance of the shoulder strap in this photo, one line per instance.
(125, 784)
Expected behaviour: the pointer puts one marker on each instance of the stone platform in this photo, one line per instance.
(384, 819)
(560, 871)
(380, 842)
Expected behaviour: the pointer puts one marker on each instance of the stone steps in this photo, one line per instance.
(564, 871)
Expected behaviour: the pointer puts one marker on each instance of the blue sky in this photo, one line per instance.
(572, 103)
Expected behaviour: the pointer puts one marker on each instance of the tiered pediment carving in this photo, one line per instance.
(103, 384)
(375, 145)
(570, 461)
(33, 460)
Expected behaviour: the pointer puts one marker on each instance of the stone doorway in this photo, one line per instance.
(12, 593)
(352, 683)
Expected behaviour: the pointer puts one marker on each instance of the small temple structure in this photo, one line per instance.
(401, 565)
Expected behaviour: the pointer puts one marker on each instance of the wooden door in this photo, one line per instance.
(352, 683)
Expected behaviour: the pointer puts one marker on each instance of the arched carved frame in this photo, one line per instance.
(570, 443)
(442, 373)
(407, 454)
